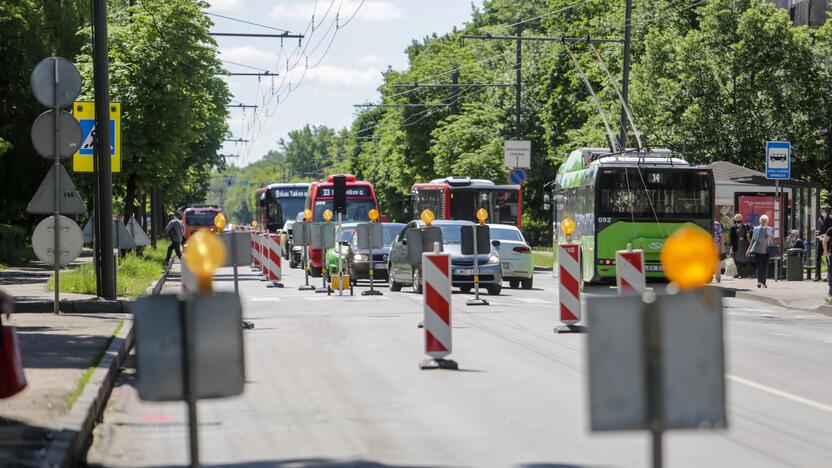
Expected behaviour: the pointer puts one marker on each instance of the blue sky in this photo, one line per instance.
(349, 73)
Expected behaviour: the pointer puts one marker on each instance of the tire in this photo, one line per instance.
(465, 289)
(527, 283)
(416, 285)
(494, 290)
(513, 284)
(315, 272)
(395, 286)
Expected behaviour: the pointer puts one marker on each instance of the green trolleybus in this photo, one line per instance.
(633, 197)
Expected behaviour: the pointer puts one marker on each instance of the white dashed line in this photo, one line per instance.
(780, 393)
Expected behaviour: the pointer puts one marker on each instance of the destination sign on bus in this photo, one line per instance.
(357, 191)
(289, 193)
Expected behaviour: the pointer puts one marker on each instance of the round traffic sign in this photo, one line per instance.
(55, 72)
(43, 134)
(517, 176)
(71, 241)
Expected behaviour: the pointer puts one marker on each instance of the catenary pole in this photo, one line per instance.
(625, 82)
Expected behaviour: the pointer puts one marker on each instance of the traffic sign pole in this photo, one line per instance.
(56, 307)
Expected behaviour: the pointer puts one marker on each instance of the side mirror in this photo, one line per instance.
(495, 243)
(404, 241)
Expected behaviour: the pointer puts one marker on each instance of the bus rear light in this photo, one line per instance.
(522, 249)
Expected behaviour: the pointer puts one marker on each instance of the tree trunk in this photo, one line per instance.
(129, 207)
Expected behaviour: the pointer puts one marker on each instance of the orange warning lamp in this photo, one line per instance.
(568, 226)
(690, 258)
(204, 253)
(373, 215)
(254, 223)
(219, 222)
(427, 217)
(482, 215)
(307, 215)
(327, 215)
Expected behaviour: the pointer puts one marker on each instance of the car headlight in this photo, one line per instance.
(494, 259)
(360, 258)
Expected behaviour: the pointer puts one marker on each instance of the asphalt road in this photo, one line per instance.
(334, 381)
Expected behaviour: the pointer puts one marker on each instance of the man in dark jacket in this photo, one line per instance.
(823, 225)
(740, 236)
(176, 231)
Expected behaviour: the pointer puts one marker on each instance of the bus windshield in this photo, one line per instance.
(357, 210)
(648, 192)
(200, 219)
(288, 209)
(501, 204)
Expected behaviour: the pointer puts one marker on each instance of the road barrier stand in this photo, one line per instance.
(436, 306)
(255, 252)
(274, 271)
(629, 272)
(569, 288)
(264, 259)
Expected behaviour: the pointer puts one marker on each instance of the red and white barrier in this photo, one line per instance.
(274, 272)
(436, 306)
(569, 281)
(263, 252)
(629, 272)
(255, 252)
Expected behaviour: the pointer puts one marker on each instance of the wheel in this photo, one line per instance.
(494, 290)
(513, 284)
(395, 286)
(314, 272)
(465, 289)
(292, 263)
(417, 281)
(527, 283)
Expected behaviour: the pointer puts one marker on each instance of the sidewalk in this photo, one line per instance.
(801, 295)
(57, 352)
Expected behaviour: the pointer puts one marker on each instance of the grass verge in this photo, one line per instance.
(85, 379)
(133, 276)
(543, 260)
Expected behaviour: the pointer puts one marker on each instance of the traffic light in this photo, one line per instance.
(339, 186)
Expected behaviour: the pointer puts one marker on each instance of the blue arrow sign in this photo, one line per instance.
(517, 176)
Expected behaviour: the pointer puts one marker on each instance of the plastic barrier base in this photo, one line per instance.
(570, 329)
(439, 364)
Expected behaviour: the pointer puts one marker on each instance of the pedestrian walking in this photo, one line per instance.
(739, 236)
(823, 225)
(176, 231)
(718, 240)
(826, 241)
(761, 240)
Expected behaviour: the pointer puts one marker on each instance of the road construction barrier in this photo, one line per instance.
(629, 272)
(273, 267)
(569, 281)
(263, 249)
(436, 306)
(255, 252)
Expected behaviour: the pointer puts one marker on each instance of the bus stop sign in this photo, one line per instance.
(778, 160)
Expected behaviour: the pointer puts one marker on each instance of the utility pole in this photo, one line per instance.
(625, 82)
(518, 61)
(104, 177)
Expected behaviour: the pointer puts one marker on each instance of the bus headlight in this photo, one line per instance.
(360, 258)
(494, 259)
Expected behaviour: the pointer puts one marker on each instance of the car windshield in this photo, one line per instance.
(346, 234)
(451, 233)
(506, 234)
(200, 219)
(390, 233)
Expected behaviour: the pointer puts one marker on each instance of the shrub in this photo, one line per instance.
(11, 241)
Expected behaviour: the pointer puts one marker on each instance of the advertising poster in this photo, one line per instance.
(753, 205)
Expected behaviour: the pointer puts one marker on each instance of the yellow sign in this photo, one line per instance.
(482, 215)
(254, 223)
(427, 217)
(204, 253)
(327, 215)
(307, 214)
(690, 258)
(373, 215)
(568, 226)
(219, 221)
(84, 112)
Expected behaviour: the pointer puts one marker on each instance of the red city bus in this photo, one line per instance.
(199, 217)
(361, 198)
(461, 197)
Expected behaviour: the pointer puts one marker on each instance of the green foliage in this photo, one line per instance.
(11, 242)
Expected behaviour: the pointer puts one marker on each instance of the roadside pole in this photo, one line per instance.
(482, 215)
(56, 308)
(374, 216)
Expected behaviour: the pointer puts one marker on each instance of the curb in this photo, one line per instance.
(731, 292)
(92, 306)
(156, 287)
(69, 445)
(542, 268)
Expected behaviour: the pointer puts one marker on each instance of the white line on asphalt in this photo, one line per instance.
(779, 334)
(346, 298)
(264, 299)
(780, 393)
(533, 300)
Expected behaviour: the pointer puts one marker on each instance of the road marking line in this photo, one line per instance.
(264, 299)
(534, 300)
(780, 393)
(779, 334)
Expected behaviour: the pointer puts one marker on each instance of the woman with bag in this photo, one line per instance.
(762, 238)
(12, 379)
(738, 236)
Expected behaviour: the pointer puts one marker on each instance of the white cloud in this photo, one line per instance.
(333, 77)
(370, 59)
(371, 10)
(226, 5)
(248, 55)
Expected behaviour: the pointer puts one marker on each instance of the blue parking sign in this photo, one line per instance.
(778, 160)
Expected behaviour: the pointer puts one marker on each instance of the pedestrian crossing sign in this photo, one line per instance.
(84, 112)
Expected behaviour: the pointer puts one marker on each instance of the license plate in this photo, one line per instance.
(465, 272)
(654, 268)
(380, 266)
